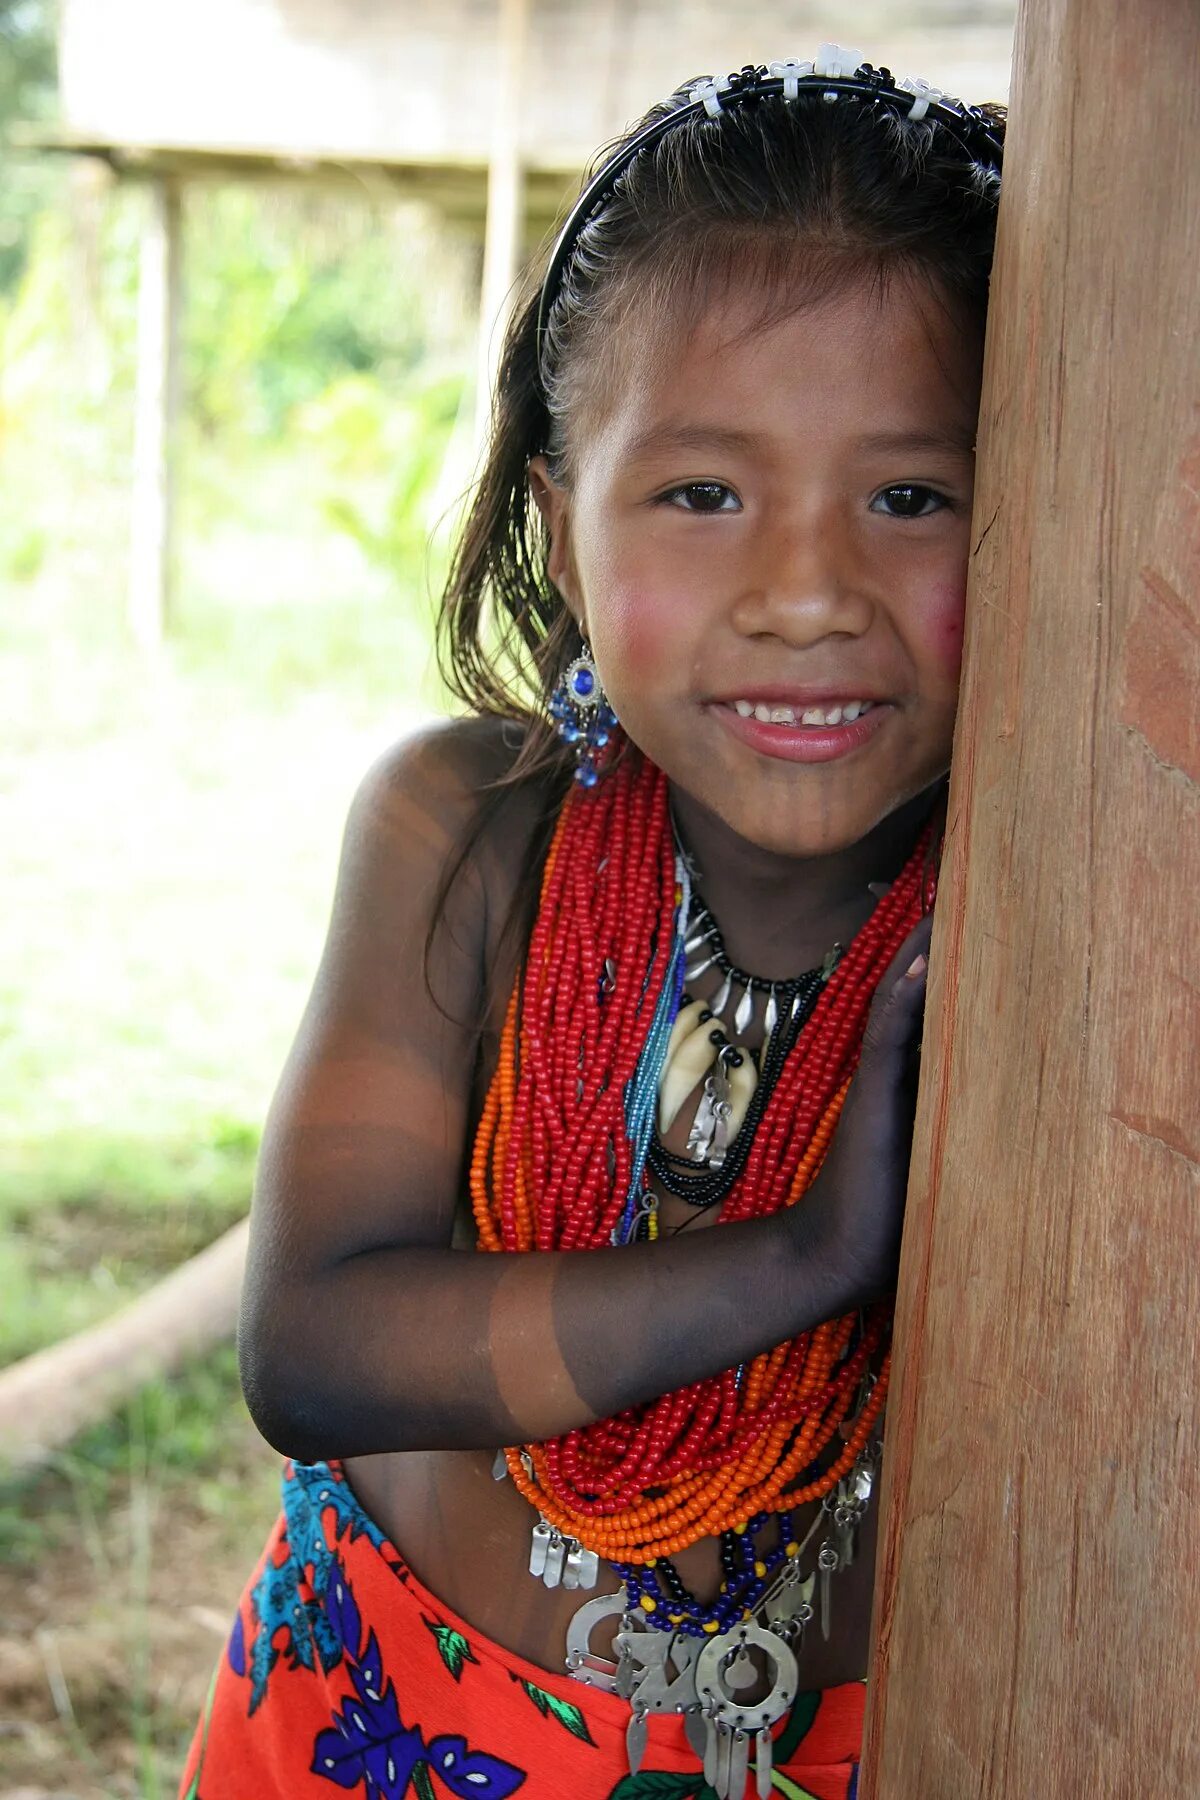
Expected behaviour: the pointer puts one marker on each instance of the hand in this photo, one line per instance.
(855, 1208)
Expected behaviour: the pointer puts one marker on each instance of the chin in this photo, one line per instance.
(805, 831)
(801, 839)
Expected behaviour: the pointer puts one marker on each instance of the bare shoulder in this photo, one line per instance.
(375, 1104)
(431, 789)
(439, 845)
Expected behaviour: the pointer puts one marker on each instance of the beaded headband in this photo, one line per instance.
(836, 72)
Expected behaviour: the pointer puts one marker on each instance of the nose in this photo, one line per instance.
(801, 582)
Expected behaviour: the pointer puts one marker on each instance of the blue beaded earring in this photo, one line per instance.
(582, 716)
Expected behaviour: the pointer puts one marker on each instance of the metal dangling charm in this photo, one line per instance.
(539, 1548)
(635, 1738)
(556, 1556)
(828, 1564)
(770, 1017)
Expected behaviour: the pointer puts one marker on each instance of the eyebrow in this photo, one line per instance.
(948, 440)
(691, 437)
(958, 440)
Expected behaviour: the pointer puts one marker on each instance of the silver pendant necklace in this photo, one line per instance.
(707, 1678)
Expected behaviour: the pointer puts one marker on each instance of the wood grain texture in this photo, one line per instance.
(1038, 1591)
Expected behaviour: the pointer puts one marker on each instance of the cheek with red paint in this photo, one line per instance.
(639, 636)
(938, 621)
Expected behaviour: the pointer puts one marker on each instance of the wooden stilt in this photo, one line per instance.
(156, 414)
(505, 204)
(1039, 1580)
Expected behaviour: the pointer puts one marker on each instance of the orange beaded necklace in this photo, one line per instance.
(552, 1164)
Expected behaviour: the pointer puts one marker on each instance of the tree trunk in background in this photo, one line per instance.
(156, 415)
(48, 1398)
(505, 204)
(1039, 1580)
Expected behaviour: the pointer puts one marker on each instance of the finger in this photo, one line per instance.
(916, 944)
(899, 1000)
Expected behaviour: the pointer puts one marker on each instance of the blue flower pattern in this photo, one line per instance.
(368, 1742)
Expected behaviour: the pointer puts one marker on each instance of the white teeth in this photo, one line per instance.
(811, 715)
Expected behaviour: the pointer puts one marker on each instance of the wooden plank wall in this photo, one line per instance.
(1038, 1597)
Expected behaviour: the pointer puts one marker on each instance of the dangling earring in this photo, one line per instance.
(582, 716)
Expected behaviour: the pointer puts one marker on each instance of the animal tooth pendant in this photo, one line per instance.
(688, 1066)
(686, 1021)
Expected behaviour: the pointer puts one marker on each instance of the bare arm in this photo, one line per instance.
(363, 1330)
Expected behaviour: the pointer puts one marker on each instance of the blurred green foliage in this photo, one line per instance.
(409, 439)
(340, 305)
(326, 338)
(303, 320)
(27, 72)
(287, 297)
(171, 833)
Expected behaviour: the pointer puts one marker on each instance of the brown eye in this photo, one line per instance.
(704, 497)
(908, 500)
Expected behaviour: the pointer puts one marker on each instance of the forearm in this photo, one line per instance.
(421, 1348)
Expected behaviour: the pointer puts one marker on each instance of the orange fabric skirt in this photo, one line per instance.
(342, 1671)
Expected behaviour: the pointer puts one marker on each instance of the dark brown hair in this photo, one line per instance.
(802, 195)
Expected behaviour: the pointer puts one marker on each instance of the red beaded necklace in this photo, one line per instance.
(552, 1164)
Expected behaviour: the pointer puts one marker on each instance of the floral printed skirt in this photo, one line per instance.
(342, 1671)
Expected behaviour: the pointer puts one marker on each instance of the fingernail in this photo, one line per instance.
(916, 968)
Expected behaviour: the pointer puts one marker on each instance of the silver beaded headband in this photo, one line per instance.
(836, 72)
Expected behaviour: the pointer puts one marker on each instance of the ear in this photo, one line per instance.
(554, 504)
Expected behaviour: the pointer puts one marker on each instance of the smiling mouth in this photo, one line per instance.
(771, 712)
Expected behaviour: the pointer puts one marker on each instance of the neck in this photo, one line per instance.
(780, 914)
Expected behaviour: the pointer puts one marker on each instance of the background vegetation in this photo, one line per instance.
(171, 838)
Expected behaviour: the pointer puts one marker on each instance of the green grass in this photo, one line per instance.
(172, 1435)
(171, 839)
(171, 834)
(121, 1565)
(88, 1220)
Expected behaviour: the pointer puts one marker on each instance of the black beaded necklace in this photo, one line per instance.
(789, 1006)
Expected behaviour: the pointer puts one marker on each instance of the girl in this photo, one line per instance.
(597, 1521)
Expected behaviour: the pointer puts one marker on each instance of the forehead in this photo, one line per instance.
(867, 359)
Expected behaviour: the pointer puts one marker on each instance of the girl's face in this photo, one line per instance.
(766, 520)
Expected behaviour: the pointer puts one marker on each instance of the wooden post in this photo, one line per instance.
(1038, 1589)
(505, 204)
(156, 415)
